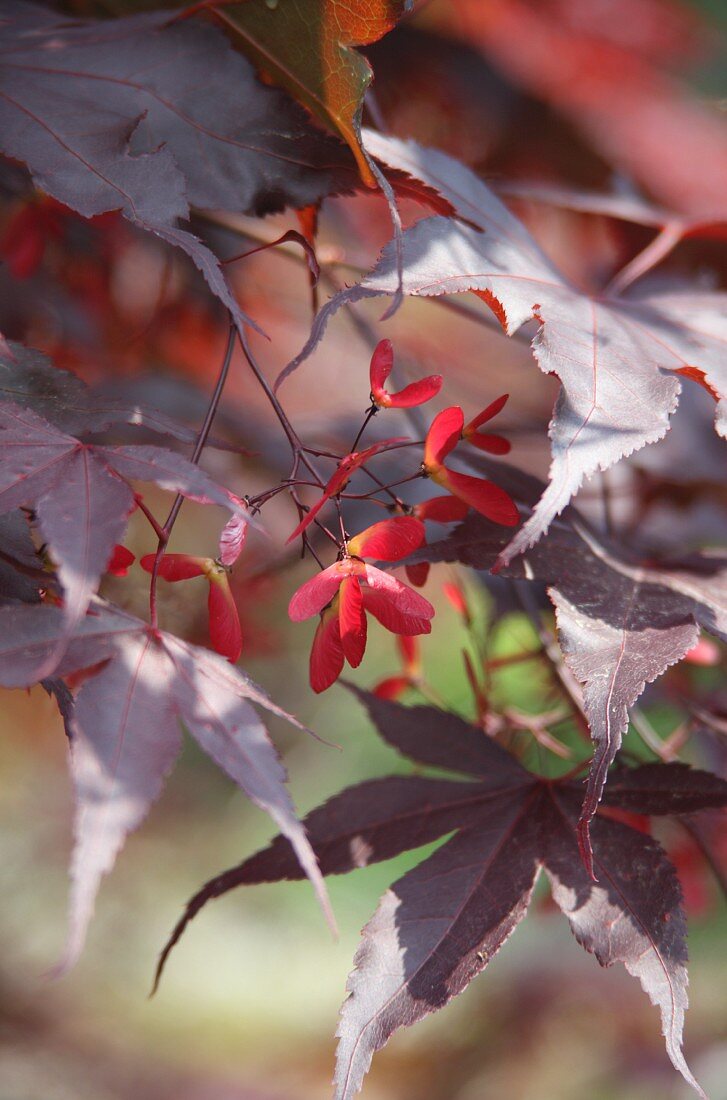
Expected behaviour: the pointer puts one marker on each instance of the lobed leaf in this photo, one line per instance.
(30, 379)
(434, 931)
(81, 497)
(632, 915)
(618, 358)
(365, 824)
(620, 624)
(438, 926)
(442, 740)
(106, 117)
(126, 732)
(665, 789)
(126, 738)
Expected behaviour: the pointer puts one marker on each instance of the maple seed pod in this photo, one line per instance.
(485, 441)
(344, 592)
(417, 393)
(224, 620)
(120, 561)
(339, 479)
(445, 432)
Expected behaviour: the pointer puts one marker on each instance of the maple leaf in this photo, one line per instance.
(81, 495)
(20, 566)
(307, 47)
(126, 732)
(620, 623)
(438, 926)
(135, 115)
(652, 789)
(617, 358)
(29, 378)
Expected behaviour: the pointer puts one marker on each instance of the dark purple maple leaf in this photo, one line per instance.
(82, 497)
(29, 379)
(438, 926)
(620, 623)
(669, 790)
(58, 689)
(20, 566)
(126, 735)
(147, 118)
(617, 357)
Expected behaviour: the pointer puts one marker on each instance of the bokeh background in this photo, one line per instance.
(247, 1008)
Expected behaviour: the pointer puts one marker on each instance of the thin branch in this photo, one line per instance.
(371, 413)
(199, 446)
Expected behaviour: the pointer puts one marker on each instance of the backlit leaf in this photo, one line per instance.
(436, 928)
(307, 46)
(618, 358)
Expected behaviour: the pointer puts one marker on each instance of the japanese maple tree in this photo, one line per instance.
(161, 141)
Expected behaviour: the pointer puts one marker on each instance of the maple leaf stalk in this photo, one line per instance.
(237, 223)
(655, 251)
(301, 456)
(202, 437)
(300, 453)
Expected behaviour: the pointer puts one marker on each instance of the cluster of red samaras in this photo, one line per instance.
(344, 593)
(347, 590)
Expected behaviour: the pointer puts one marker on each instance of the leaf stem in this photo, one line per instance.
(656, 250)
(202, 437)
(370, 414)
(156, 526)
